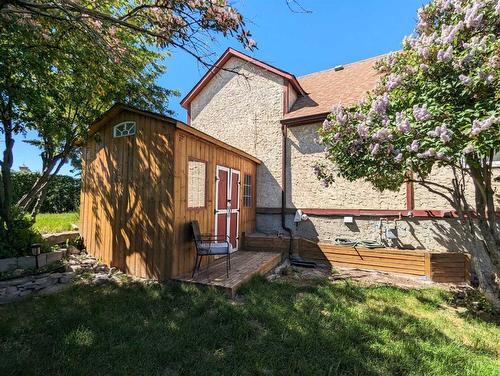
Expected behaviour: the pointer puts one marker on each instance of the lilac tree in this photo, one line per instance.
(437, 105)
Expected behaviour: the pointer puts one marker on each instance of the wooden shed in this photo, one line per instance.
(145, 177)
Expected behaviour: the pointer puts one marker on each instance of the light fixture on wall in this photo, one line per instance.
(97, 138)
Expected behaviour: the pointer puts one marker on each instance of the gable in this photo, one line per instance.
(221, 63)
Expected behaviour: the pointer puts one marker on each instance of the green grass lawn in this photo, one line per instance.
(279, 328)
(55, 222)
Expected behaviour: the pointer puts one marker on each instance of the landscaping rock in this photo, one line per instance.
(72, 250)
(60, 237)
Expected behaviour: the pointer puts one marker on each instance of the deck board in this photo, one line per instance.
(244, 264)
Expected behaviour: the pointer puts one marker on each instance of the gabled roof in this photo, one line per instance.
(117, 108)
(331, 87)
(219, 64)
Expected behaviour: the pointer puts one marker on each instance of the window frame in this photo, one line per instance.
(122, 123)
(193, 159)
(250, 195)
(495, 164)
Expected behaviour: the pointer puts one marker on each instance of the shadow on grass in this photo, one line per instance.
(274, 328)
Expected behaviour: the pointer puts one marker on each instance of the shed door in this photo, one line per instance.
(227, 205)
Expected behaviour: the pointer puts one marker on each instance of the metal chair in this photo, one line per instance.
(210, 245)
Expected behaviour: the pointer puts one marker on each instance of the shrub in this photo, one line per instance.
(18, 241)
(63, 193)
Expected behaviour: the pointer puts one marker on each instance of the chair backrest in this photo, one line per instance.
(195, 228)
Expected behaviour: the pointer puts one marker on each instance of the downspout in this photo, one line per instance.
(284, 132)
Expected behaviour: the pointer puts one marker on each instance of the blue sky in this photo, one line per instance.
(335, 32)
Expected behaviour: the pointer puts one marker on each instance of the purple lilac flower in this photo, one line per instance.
(442, 132)
(317, 170)
(413, 147)
(340, 115)
(336, 136)
(445, 55)
(398, 158)
(374, 149)
(423, 52)
(393, 81)
(486, 76)
(363, 130)
(424, 67)
(421, 113)
(380, 104)
(402, 123)
(360, 116)
(465, 80)
(472, 16)
(382, 134)
(479, 126)
(497, 8)
(448, 32)
(468, 149)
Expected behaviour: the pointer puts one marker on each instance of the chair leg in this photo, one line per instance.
(195, 266)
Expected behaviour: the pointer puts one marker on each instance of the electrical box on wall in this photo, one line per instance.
(348, 220)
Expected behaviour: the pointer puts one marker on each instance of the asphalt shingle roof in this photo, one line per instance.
(330, 87)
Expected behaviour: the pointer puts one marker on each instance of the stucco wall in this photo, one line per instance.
(244, 110)
(306, 191)
(424, 199)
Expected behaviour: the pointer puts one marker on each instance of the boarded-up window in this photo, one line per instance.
(247, 191)
(197, 180)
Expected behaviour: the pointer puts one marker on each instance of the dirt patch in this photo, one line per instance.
(364, 277)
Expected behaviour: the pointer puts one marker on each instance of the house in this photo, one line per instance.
(243, 164)
(145, 177)
(274, 116)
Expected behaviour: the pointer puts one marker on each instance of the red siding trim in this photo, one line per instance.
(422, 213)
(410, 196)
(304, 120)
(189, 114)
(223, 60)
(285, 97)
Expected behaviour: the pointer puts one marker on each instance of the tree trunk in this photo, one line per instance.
(6, 184)
(33, 200)
(485, 253)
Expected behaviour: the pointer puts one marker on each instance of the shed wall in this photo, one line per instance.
(188, 147)
(126, 212)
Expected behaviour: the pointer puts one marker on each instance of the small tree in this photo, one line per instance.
(437, 105)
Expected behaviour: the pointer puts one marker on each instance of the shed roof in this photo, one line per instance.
(330, 87)
(120, 107)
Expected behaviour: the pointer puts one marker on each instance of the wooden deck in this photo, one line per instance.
(244, 264)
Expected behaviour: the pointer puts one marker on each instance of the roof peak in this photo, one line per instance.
(346, 65)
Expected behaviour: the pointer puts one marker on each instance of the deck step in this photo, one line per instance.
(244, 265)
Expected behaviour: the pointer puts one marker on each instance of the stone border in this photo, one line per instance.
(27, 262)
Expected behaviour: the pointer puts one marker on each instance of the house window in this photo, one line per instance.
(197, 180)
(496, 160)
(247, 191)
(127, 128)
